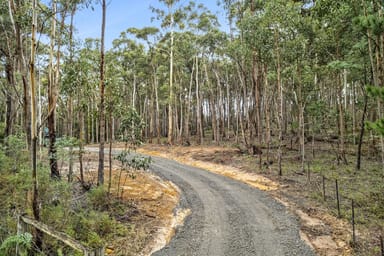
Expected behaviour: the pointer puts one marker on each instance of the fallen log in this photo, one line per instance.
(66, 239)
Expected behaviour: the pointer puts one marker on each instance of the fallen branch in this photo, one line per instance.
(62, 237)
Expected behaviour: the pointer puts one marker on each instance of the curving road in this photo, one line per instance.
(228, 217)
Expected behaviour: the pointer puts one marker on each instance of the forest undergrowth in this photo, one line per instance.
(90, 215)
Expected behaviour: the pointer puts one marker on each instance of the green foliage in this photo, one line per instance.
(131, 127)
(4, 161)
(67, 142)
(378, 93)
(15, 185)
(56, 200)
(98, 198)
(64, 147)
(372, 22)
(94, 228)
(2, 128)
(140, 163)
(16, 149)
(375, 92)
(23, 241)
(134, 162)
(316, 110)
(377, 126)
(341, 65)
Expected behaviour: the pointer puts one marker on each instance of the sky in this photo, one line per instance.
(123, 14)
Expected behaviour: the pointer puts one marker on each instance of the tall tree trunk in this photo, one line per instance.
(180, 121)
(267, 103)
(35, 199)
(228, 108)
(158, 126)
(134, 92)
(257, 90)
(81, 145)
(152, 113)
(280, 104)
(199, 122)
(9, 92)
(301, 106)
(52, 101)
(70, 100)
(171, 96)
(91, 121)
(362, 127)
(353, 109)
(240, 108)
(374, 47)
(22, 67)
(221, 109)
(341, 123)
(9, 118)
(110, 153)
(100, 172)
(188, 107)
(212, 105)
(302, 135)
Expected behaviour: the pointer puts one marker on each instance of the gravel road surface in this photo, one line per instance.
(228, 217)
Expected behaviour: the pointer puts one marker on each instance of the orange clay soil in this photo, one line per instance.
(326, 234)
(154, 216)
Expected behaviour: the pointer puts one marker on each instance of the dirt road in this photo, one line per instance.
(227, 217)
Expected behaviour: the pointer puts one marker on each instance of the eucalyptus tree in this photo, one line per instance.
(212, 43)
(131, 62)
(149, 34)
(130, 57)
(298, 54)
(53, 80)
(257, 71)
(81, 76)
(60, 11)
(8, 83)
(191, 54)
(70, 61)
(113, 102)
(249, 48)
(186, 68)
(259, 38)
(370, 24)
(271, 48)
(100, 171)
(253, 34)
(369, 27)
(173, 18)
(238, 53)
(337, 38)
(35, 199)
(89, 56)
(207, 40)
(169, 23)
(276, 10)
(19, 21)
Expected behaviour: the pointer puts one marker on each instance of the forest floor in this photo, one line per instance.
(324, 232)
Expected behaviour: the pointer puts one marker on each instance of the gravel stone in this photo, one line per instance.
(228, 217)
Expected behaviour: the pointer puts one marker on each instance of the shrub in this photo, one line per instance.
(23, 241)
(98, 198)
